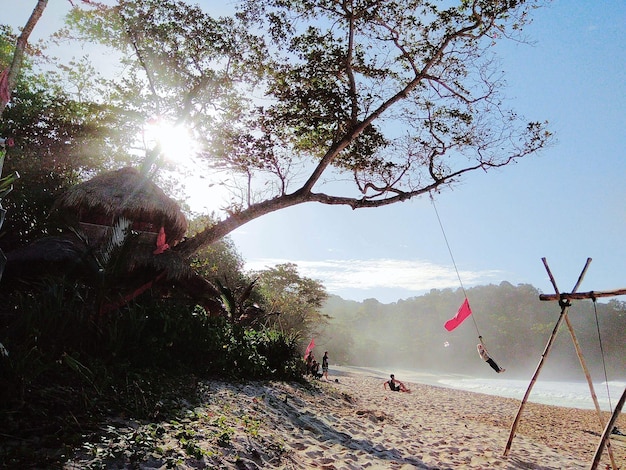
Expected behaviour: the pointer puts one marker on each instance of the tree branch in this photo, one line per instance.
(349, 70)
(18, 55)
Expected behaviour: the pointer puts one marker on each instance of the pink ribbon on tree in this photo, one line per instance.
(161, 246)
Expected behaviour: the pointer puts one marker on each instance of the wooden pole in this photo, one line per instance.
(594, 397)
(564, 308)
(607, 431)
(583, 295)
(533, 379)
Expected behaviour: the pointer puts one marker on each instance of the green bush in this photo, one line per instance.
(53, 335)
(262, 354)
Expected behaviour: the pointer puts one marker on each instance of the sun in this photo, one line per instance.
(175, 141)
(203, 191)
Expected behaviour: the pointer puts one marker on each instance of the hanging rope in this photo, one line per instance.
(606, 380)
(432, 200)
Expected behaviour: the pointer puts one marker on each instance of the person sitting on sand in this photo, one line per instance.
(482, 352)
(395, 385)
(315, 370)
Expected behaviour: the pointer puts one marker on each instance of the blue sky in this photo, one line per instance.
(566, 204)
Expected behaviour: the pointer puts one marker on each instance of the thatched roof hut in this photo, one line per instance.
(102, 200)
(95, 206)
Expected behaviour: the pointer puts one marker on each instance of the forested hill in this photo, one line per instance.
(514, 323)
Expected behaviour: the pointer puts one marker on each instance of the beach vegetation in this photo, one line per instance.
(293, 302)
(224, 431)
(66, 368)
(251, 425)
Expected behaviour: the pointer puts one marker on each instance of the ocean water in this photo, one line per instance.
(556, 393)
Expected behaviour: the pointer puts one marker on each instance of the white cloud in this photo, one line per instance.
(373, 275)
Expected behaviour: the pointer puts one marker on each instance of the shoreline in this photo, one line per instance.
(355, 424)
(562, 393)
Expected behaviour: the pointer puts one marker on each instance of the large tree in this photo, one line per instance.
(292, 302)
(61, 138)
(362, 103)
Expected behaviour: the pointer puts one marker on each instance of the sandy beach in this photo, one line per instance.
(352, 424)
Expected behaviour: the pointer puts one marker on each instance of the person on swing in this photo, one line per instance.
(482, 352)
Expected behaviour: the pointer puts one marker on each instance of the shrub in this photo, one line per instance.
(54, 332)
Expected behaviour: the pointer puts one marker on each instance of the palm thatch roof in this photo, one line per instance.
(125, 193)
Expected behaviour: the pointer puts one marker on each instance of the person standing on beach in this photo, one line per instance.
(325, 365)
(395, 385)
(484, 355)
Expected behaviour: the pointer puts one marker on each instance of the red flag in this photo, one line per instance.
(464, 312)
(309, 348)
(161, 246)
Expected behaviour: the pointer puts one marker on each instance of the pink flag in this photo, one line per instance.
(161, 245)
(464, 312)
(309, 347)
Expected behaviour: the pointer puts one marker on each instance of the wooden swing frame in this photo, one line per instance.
(564, 302)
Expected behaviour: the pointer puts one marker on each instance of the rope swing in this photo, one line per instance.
(482, 347)
(432, 200)
(606, 379)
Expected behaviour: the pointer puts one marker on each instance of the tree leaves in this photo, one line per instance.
(399, 97)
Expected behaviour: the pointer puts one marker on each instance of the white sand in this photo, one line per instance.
(356, 424)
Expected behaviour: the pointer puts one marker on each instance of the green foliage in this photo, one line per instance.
(62, 135)
(322, 81)
(399, 97)
(254, 354)
(67, 362)
(221, 264)
(224, 431)
(293, 302)
(218, 260)
(54, 330)
(173, 55)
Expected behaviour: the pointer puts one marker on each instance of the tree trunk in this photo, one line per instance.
(18, 55)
